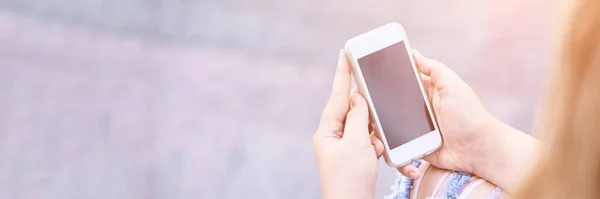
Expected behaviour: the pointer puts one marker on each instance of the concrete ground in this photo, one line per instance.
(218, 99)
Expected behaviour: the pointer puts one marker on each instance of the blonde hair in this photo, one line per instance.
(570, 167)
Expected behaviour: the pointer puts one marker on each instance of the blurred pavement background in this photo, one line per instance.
(157, 99)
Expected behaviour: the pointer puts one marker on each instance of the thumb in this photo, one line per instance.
(439, 74)
(424, 64)
(357, 120)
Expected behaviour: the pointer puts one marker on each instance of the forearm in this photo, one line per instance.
(510, 156)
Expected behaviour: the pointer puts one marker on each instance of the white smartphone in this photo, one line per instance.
(386, 75)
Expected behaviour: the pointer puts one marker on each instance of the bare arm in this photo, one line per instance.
(473, 140)
(510, 156)
(504, 160)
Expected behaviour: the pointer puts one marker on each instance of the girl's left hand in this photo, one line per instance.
(346, 154)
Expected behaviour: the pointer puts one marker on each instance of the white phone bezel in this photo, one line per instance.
(373, 41)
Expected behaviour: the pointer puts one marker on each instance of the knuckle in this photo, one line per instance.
(330, 125)
(338, 97)
(337, 102)
(336, 128)
(331, 116)
(330, 111)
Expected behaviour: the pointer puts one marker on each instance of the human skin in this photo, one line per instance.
(433, 176)
(473, 140)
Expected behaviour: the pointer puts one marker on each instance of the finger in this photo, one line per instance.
(430, 67)
(410, 171)
(423, 63)
(432, 158)
(357, 120)
(343, 77)
(378, 145)
(354, 92)
(427, 66)
(426, 81)
(337, 107)
(440, 75)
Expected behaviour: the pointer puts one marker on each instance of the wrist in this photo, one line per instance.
(507, 155)
(490, 147)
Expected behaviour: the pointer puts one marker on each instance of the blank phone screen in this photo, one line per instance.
(396, 95)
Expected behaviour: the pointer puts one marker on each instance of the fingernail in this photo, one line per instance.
(413, 174)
